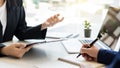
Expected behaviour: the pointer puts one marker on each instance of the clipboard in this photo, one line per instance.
(45, 41)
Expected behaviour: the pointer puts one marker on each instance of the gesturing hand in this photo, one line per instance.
(52, 21)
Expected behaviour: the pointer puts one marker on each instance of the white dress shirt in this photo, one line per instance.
(3, 16)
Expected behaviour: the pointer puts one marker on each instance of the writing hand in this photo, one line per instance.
(89, 54)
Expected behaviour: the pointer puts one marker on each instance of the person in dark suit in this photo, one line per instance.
(108, 57)
(12, 22)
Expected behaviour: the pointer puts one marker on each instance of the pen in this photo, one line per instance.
(91, 44)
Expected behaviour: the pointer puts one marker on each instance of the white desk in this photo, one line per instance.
(46, 55)
(41, 56)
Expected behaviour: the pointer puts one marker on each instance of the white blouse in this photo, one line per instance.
(3, 16)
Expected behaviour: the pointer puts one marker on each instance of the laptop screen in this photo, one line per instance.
(110, 30)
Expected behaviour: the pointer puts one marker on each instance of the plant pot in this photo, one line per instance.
(87, 33)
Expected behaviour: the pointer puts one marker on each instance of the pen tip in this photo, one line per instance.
(78, 55)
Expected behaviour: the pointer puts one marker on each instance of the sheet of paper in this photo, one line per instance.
(79, 61)
(72, 45)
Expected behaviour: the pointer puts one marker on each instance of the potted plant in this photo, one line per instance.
(87, 30)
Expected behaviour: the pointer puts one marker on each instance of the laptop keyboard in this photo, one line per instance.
(88, 42)
(98, 44)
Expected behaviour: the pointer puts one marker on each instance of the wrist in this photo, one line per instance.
(4, 50)
(1, 51)
(45, 25)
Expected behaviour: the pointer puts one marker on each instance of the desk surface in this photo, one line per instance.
(41, 56)
(46, 55)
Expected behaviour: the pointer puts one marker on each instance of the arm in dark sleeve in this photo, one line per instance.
(106, 56)
(31, 33)
(23, 31)
(116, 62)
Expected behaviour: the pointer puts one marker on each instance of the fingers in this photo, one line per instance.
(16, 50)
(87, 57)
(21, 51)
(54, 19)
(22, 46)
(19, 45)
(85, 45)
(51, 21)
(28, 48)
(89, 54)
(85, 50)
(57, 19)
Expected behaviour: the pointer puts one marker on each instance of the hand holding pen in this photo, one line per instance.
(88, 46)
(90, 54)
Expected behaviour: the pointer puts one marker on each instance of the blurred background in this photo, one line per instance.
(37, 11)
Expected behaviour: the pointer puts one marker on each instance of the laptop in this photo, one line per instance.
(108, 36)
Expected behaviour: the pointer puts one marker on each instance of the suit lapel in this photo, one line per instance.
(0, 32)
(10, 21)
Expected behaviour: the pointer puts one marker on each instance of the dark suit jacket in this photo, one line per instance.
(116, 62)
(110, 58)
(16, 24)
